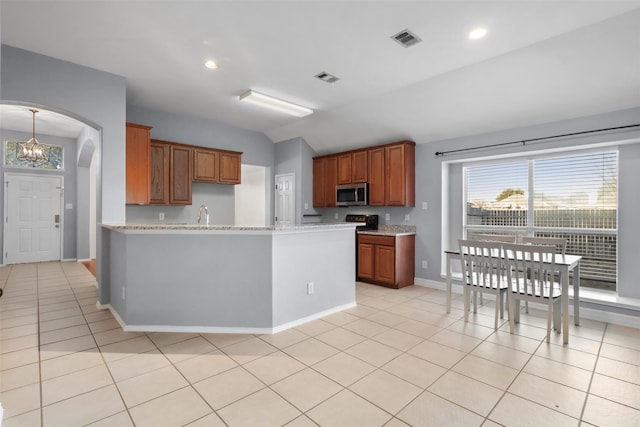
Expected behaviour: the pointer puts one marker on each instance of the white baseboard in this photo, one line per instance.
(221, 330)
(585, 312)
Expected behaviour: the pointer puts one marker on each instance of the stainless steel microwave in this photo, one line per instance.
(352, 194)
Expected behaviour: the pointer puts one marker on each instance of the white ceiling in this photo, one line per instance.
(541, 61)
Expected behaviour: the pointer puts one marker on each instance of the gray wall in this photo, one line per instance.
(256, 149)
(69, 237)
(295, 156)
(92, 96)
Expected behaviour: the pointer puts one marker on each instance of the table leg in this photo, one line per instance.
(576, 296)
(448, 282)
(565, 306)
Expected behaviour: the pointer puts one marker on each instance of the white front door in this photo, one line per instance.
(285, 200)
(33, 222)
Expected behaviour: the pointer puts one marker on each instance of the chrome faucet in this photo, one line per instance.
(206, 212)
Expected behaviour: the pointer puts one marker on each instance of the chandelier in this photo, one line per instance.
(32, 151)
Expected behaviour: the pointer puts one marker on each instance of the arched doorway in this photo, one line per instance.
(81, 142)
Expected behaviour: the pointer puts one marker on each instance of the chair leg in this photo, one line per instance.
(557, 315)
(495, 317)
(475, 300)
(467, 295)
(549, 315)
(510, 309)
(501, 298)
(526, 307)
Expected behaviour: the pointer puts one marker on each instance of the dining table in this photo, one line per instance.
(563, 264)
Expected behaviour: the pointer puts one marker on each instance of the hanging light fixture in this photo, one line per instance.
(32, 151)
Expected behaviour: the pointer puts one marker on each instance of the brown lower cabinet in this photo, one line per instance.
(386, 260)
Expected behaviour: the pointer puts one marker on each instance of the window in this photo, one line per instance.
(572, 196)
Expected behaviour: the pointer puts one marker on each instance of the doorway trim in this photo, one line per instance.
(5, 234)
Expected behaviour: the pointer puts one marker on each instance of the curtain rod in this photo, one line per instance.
(524, 141)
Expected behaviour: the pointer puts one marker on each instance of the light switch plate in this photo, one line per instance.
(424, 206)
(68, 206)
(387, 217)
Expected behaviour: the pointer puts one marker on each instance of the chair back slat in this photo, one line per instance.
(558, 242)
(482, 263)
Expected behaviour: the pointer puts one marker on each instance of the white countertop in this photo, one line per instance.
(225, 229)
(391, 230)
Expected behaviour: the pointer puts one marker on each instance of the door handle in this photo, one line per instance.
(56, 218)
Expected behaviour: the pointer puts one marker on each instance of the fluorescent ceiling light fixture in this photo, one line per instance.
(477, 33)
(263, 100)
(211, 65)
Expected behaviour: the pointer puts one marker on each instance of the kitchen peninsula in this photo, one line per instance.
(218, 279)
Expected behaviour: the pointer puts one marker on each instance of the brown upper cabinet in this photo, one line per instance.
(389, 169)
(206, 165)
(180, 175)
(318, 182)
(160, 161)
(161, 172)
(400, 176)
(325, 179)
(353, 167)
(376, 177)
(216, 166)
(230, 167)
(344, 169)
(360, 166)
(137, 163)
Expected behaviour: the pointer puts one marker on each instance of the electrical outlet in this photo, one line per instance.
(161, 216)
(407, 217)
(309, 288)
(387, 216)
(424, 264)
(335, 215)
(424, 206)
(306, 206)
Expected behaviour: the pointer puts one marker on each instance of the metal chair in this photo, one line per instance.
(531, 274)
(483, 270)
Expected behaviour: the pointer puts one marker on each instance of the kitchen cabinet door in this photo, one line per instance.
(400, 175)
(385, 260)
(344, 169)
(331, 180)
(318, 182)
(359, 166)
(160, 159)
(206, 165)
(366, 261)
(376, 177)
(137, 158)
(230, 167)
(180, 175)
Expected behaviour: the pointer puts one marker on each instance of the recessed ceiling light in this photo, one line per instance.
(477, 33)
(212, 65)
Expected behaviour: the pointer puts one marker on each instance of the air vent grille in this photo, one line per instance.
(326, 77)
(406, 38)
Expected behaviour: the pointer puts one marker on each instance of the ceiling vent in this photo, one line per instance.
(406, 38)
(326, 77)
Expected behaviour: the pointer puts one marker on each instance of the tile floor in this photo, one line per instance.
(394, 360)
